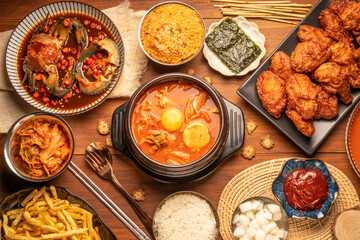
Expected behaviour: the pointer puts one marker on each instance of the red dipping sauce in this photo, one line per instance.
(306, 189)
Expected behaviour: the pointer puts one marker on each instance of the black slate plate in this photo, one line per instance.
(13, 200)
(322, 127)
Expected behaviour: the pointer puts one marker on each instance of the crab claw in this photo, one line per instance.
(68, 81)
(42, 25)
(108, 72)
(80, 34)
(59, 31)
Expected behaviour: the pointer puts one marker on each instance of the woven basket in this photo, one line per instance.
(257, 181)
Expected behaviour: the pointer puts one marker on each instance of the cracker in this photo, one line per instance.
(139, 195)
(108, 142)
(208, 79)
(191, 71)
(251, 126)
(267, 142)
(248, 152)
(103, 127)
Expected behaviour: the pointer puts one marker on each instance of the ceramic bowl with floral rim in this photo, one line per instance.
(252, 30)
(297, 163)
(17, 49)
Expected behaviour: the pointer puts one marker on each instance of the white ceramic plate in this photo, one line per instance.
(252, 30)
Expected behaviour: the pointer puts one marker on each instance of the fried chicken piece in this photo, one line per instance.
(302, 95)
(327, 105)
(330, 77)
(352, 74)
(308, 55)
(306, 127)
(271, 90)
(309, 33)
(343, 53)
(281, 65)
(356, 32)
(334, 27)
(348, 12)
(344, 93)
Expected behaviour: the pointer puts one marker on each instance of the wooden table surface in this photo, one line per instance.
(332, 151)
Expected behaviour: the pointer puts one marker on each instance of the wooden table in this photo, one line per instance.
(332, 151)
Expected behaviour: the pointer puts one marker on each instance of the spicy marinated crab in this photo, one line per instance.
(44, 51)
(97, 66)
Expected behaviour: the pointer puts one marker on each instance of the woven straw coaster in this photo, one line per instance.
(257, 181)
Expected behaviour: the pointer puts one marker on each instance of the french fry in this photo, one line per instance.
(48, 200)
(53, 192)
(14, 212)
(29, 197)
(64, 234)
(36, 196)
(70, 219)
(17, 220)
(49, 228)
(31, 220)
(45, 216)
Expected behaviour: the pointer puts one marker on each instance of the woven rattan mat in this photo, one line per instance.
(257, 181)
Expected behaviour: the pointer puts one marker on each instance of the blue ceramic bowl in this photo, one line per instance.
(296, 163)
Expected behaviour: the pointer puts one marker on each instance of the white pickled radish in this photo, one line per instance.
(273, 208)
(269, 227)
(271, 237)
(260, 235)
(244, 220)
(257, 221)
(254, 224)
(236, 219)
(260, 219)
(277, 216)
(250, 214)
(251, 232)
(274, 231)
(246, 206)
(280, 233)
(239, 232)
(246, 237)
(268, 215)
(257, 205)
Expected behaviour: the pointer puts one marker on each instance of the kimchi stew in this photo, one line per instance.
(175, 122)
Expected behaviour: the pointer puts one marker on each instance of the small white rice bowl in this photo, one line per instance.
(185, 216)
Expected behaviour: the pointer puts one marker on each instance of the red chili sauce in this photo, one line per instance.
(306, 189)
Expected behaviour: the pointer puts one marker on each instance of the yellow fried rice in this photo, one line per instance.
(172, 33)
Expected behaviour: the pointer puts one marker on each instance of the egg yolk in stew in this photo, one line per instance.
(172, 119)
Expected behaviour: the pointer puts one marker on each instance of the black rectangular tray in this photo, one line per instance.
(323, 128)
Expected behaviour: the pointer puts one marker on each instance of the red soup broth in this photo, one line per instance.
(146, 121)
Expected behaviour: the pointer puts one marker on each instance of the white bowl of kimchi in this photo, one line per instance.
(39, 146)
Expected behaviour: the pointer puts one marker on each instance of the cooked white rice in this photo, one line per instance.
(185, 216)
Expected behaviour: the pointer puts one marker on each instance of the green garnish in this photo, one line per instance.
(171, 31)
(184, 44)
(157, 135)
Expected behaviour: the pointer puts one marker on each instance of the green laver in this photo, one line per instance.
(231, 44)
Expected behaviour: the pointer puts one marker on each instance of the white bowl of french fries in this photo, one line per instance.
(50, 213)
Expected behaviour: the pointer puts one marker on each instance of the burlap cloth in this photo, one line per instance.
(12, 106)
